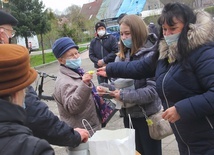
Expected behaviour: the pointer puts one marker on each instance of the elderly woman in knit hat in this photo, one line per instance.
(73, 87)
(16, 75)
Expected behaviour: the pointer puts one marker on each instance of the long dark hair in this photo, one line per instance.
(183, 13)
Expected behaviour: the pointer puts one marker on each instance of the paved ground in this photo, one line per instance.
(169, 144)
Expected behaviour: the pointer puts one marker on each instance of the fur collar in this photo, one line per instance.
(200, 33)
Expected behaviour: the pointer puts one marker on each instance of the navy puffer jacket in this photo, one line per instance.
(15, 138)
(46, 125)
(103, 48)
(188, 86)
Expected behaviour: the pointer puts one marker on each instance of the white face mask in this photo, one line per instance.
(170, 39)
(101, 33)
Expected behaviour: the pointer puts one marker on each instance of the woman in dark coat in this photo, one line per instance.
(184, 76)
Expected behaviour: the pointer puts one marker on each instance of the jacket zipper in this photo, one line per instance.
(101, 42)
(168, 107)
(209, 122)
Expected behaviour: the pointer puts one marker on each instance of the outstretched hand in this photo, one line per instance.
(102, 71)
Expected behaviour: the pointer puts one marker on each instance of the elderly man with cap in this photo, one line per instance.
(6, 29)
(16, 75)
(103, 49)
(73, 87)
(40, 119)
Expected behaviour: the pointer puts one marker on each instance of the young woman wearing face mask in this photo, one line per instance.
(134, 43)
(103, 49)
(184, 76)
(73, 87)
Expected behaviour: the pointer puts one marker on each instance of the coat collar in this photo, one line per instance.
(151, 45)
(69, 72)
(201, 32)
(11, 112)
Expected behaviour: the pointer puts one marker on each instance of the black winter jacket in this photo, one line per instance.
(15, 138)
(46, 125)
(108, 44)
(189, 87)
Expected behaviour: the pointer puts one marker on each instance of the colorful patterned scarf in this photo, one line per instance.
(105, 108)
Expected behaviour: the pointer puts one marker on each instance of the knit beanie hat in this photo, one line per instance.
(62, 45)
(99, 24)
(15, 71)
(6, 18)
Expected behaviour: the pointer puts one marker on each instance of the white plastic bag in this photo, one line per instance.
(113, 142)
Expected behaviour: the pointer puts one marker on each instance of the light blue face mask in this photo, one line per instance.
(127, 42)
(73, 63)
(171, 38)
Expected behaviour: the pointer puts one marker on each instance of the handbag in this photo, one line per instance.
(159, 128)
(105, 108)
(113, 142)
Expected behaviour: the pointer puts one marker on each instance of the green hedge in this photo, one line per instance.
(36, 60)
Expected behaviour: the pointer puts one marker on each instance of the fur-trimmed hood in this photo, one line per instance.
(200, 33)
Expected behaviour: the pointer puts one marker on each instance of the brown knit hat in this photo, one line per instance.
(15, 71)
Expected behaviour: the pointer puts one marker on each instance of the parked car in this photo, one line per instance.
(114, 30)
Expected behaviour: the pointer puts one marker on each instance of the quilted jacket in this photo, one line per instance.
(190, 89)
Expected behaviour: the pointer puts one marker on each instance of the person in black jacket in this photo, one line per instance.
(16, 75)
(46, 125)
(184, 73)
(40, 119)
(103, 49)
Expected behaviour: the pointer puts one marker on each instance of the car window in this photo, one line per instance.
(112, 29)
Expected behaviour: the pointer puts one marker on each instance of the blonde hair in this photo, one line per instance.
(139, 34)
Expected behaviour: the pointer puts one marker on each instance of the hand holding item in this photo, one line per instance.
(102, 71)
(91, 72)
(83, 133)
(86, 78)
(100, 63)
(116, 94)
(103, 90)
(171, 115)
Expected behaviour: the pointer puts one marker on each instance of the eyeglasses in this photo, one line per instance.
(3, 29)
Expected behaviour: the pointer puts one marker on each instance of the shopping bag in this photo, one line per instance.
(113, 142)
(105, 107)
(107, 111)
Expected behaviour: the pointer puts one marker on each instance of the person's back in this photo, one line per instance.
(15, 138)
(16, 75)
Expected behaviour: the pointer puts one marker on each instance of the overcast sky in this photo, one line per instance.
(61, 5)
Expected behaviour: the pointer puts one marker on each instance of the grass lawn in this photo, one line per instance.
(36, 60)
